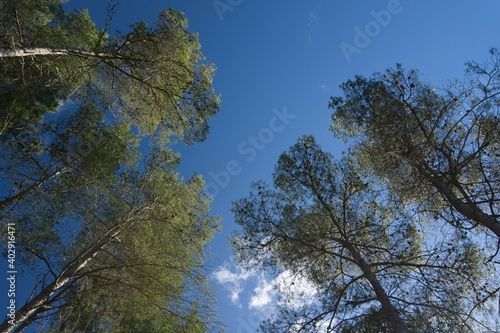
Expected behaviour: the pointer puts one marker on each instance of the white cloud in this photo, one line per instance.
(263, 295)
(232, 281)
(324, 87)
(297, 288)
(294, 287)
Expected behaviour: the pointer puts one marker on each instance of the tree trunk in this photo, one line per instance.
(473, 213)
(390, 313)
(50, 51)
(26, 314)
(30, 189)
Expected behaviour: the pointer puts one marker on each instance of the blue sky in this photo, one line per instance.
(278, 62)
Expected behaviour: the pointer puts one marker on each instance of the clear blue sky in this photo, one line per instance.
(278, 64)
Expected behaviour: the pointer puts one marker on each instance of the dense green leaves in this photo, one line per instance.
(158, 80)
(30, 86)
(113, 239)
(123, 251)
(149, 277)
(151, 77)
(373, 263)
(437, 148)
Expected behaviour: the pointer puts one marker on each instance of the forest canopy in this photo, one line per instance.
(112, 237)
(400, 234)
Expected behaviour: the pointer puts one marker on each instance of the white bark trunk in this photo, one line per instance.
(39, 51)
(50, 51)
(43, 297)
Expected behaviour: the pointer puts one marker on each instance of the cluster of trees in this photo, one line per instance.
(114, 239)
(401, 234)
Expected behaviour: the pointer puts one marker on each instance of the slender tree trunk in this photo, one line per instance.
(390, 313)
(26, 315)
(471, 212)
(50, 51)
(107, 58)
(30, 189)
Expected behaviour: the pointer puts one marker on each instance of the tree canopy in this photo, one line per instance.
(152, 76)
(112, 236)
(375, 264)
(401, 234)
(437, 147)
(134, 254)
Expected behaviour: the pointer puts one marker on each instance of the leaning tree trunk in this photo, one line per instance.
(470, 211)
(32, 188)
(27, 314)
(50, 51)
(390, 313)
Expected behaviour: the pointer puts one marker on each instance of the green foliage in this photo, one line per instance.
(44, 23)
(150, 277)
(435, 147)
(152, 78)
(374, 264)
(115, 240)
(31, 87)
(160, 68)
